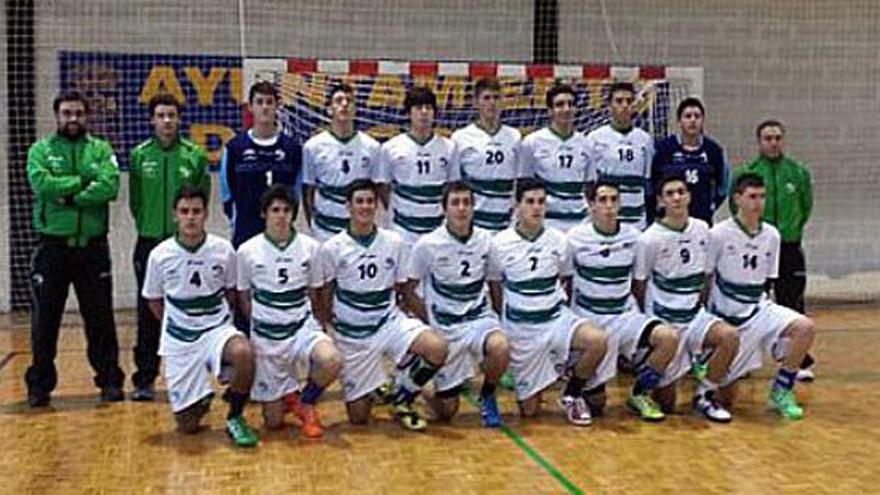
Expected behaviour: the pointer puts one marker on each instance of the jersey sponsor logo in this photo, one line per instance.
(249, 154)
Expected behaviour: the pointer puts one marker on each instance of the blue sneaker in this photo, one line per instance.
(489, 412)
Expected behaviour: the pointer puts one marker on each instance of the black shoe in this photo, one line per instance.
(145, 393)
(112, 394)
(36, 399)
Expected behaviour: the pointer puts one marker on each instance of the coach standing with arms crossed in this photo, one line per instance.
(73, 176)
(160, 166)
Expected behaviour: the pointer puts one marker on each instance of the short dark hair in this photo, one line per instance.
(558, 89)
(489, 83)
(263, 88)
(342, 87)
(419, 95)
(67, 96)
(278, 192)
(769, 123)
(360, 185)
(621, 86)
(747, 180)
(667, 178)
(526, 184)
(690, 101)
(454, 187)
(593, 187)
(163, 99)
(190, 192)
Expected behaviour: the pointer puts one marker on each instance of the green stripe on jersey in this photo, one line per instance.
(458, 292)
(274, 331)
(628, 183)
(335, 194)
(605, 275)
(330, 224)
(735, 320)
(429, 194)
(674, 315)
(287, 299)
(743, 293)
(566, 215)
(680, 285)
(532, 286)
(492, 220)
(356, 331)
(189, 335)
(491, 188)
(199, 306)
(365, 301)
(631, 212)
(564, 190)
(602, 306)
(532, 316)
(449, 319)
(417, 225)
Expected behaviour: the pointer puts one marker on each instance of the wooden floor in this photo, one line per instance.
(79, 445)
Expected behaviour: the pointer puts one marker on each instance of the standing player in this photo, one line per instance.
(557, 155)
(452, 263)
(603, 253)
(415, 166)
(279, 275)
(699, 158)
(255, 160)
(672, 265)
(157, 169)
(622, 153)
(745, 252)
(530, 280)
(364, 270)
(190, 287)
(334, 159)
(488, 152)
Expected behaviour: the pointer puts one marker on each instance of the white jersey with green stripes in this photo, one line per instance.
(743, 263)
(365, 271)
(417, 173)
(603, 268)
(489, 164)
(192, 284)
(279, 278)
(675, 263)
(453, 272)
(625, 159)
(531, 273)
(563, 164)
(330, 164)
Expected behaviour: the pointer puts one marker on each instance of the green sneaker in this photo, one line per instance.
(507, 382)
(785, 403)
(646, 408)
(241, 433)
(408, 417)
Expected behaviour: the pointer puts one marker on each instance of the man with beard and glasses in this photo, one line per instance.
(73, 176)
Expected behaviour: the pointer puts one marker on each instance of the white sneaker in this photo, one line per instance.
(576, 410)
(806, 374)
(705, 404)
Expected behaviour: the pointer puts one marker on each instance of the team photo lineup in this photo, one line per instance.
(431, 269)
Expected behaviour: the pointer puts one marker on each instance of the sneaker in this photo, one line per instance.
(784, 402)
(706, 405)
(576, 410)
(645, 407)
(489, 412)
(145, 393)
(112, 394)
(241, 433)
(507, 382)
(311, 423)
(408, 417)
(806, 374)
(37, 399)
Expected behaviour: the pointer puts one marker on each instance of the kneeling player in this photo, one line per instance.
(189, 286)
(451, 262)
(547, 340)
(364, 267)
(279, 275)
(673, 257)
(603, 253)
(746, 256)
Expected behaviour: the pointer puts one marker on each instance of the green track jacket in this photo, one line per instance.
(789, 194)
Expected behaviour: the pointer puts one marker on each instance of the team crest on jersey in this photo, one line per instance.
(605, 252)
(730, 248)
(389, 263)
(443, 261)
(217, 270)
(280, 155)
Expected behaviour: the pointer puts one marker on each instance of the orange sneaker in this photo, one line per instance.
(311, 423)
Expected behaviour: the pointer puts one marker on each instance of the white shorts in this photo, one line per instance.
(539, 352)
(761, 335)
(277, 361)
(188, 376)
(690, 343)
(362, 370)
(623, 332)
(466, 345)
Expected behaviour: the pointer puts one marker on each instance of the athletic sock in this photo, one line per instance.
(311, 393)
(647, 378)
(784, 379)
(488, 389)
(412, 378)
(575, 386)
(236, 401)
(705, 386)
